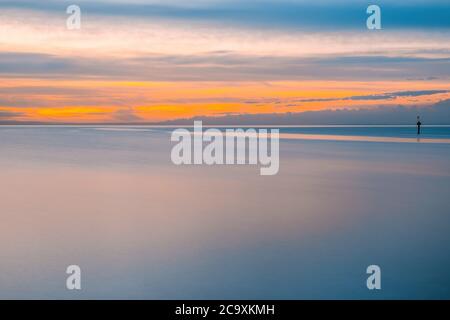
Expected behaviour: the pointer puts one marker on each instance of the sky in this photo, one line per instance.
(157, 60)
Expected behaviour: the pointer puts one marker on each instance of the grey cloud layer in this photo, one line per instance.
(392, 95)
(7, 115)
(223, 67)
(371, 97)
(438, 113)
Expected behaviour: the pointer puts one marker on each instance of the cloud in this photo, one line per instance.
(126, 115)
(392, 95)
(438, 113)
(220, 66)
(6, 115)
(370, 97)
(44, 90)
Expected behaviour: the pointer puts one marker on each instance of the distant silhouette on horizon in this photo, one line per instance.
(418, 125)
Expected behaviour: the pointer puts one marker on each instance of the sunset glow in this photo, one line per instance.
(137, 67)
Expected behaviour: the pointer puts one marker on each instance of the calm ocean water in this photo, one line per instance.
(365, 131)
(109, 199)
(370, 131)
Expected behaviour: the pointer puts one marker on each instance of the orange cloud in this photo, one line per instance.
(101, 101)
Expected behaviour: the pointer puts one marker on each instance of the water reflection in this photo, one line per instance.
(140, 227)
